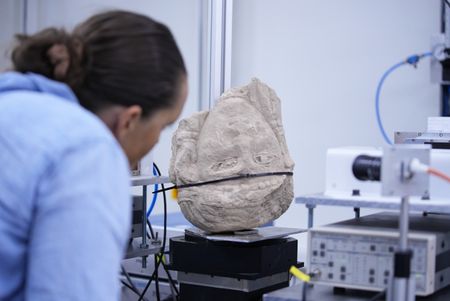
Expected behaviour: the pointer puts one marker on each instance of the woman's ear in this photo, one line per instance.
(127, 120)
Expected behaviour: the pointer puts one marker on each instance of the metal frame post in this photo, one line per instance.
(310, 208)
(217, 46)
(310, 215)
(403, 284)
(357, 211)
(144, 244)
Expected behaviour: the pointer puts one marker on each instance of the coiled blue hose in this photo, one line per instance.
(411, 60)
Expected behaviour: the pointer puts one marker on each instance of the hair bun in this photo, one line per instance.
(51, 52)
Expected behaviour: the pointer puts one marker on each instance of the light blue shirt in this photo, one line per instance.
(65, 206)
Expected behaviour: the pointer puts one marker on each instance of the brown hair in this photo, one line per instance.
(115, 57)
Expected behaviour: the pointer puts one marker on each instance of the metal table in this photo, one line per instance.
(249, 236)
(148, 180)
(326, 293)
(375, 202)
(136, 249)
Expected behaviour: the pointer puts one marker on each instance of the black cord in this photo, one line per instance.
(244, 176)
(130, 288)
(141, 297)
(128, 278)
(165, 213)
(152, 234)
(448, 3)
(161, 256)
(130, 283)
(169, 276)
(158, 296)
(163, 242)
(378, 296)
(172, 282)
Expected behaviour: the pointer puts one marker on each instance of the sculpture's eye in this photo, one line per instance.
(263, 158)
(225, 164)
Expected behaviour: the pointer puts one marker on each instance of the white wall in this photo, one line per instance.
(10, 24)
(181, 16)
(324, 60)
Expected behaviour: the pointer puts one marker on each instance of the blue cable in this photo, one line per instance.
(411, 60)
(155, 195)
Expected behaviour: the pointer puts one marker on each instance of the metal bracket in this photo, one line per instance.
(396, 179)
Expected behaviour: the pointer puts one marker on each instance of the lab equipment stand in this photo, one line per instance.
(325, 293)
(403, 285)
(145, 247)
(359, 203)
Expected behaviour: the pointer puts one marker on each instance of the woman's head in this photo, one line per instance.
(124, 67)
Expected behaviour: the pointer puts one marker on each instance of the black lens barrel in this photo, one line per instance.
(367, 168)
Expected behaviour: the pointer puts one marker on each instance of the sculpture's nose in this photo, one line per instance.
(247, 164)
(245, 170)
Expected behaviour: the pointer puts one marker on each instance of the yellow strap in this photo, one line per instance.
(299, 274)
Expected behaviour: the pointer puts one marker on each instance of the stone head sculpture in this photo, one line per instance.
(242, 134)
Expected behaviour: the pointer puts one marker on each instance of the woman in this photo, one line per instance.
(79, 109)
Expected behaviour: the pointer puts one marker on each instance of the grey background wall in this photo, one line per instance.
(183, 18)
(323, 58)
(10, 23)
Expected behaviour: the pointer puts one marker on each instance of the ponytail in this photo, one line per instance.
(113, 58)
(51, 52)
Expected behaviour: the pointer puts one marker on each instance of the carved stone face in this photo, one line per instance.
(242, 134)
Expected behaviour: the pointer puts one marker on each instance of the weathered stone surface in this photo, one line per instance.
(242, 134)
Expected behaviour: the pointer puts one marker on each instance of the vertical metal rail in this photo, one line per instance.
(144, 244)
(25, 16)
(216, 72)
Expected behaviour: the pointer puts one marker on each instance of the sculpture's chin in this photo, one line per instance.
(213, 212)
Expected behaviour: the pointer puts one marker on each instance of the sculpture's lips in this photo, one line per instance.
(228, 195)
(248, 207)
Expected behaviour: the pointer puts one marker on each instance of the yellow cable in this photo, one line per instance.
(174, 193)
(159, 256)
(299, 274)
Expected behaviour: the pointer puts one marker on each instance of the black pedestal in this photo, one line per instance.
(224, 270)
